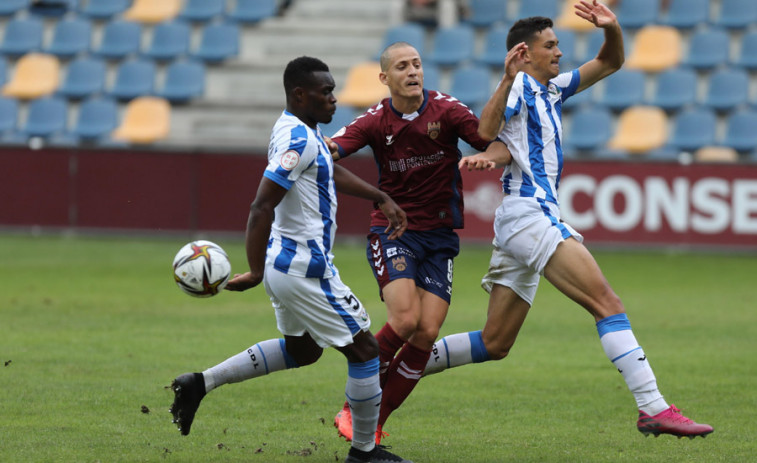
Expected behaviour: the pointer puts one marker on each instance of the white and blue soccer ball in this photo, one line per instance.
(201, 268)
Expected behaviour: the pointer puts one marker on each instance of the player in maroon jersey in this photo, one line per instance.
(414, 135)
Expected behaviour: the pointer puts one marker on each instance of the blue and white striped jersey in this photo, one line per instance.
(303, 229)
(533, 133)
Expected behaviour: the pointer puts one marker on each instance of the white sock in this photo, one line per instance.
(364, 396)
(455, 350)
(262, 358)
(621, 347)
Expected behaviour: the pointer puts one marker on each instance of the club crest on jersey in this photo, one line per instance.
(399, 263)
(290, 159)
(433, 129)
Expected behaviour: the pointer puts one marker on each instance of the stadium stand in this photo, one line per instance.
(655, 48)
(721, 154)
(741, 130)
(3, 70)
(432, 77)
(737, 14)
(693, 128)
(36, 75)
(70, 37)
(486, 13)
(219, 41)
(675, 89)
(640, 129)
(134, 78)
(548, 8)
(152, 11)
(747, 57)
(96, 119)
(727, 88)
(452, 46)
(8, 116)
(202, 10)
(568, 19)
(622, 89)
(412, 33)
(169, 41)
(253, 11)
(362, 87)
(495, 48)
(636, 14)
(687, 14)
(85, 76)
(590, 129)
(11, 7)
(47, 117)
(120, 39)
(184, 80)
(53, 8)
(579, 100)
(146, 120)
(471, 85)
(708, 48)
(22, 35)
(567, 44)
(104, 9)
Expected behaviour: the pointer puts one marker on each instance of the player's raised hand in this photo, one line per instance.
(515, 58)
(476, 162)
(333, 147)
(596, 13)
(243, 281)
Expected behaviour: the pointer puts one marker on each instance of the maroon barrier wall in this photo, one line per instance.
(609, 202)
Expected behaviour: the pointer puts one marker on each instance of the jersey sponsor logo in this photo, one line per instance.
(433, 129)
(290, 159)
(389, 139)
(399, 263)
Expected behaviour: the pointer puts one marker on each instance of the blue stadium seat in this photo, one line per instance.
(548, 8)
(432, 76)
(740, 133)
(692, 129)
(727, 88)
(202, 10)
(134, 78)
(638, 13)
(579, 100)
(594, 41)
(3, 70)
(55, 8)
(590, 129)
(737, 14)
(184, 80)
(104, 9)
(97, 118)
(120, 39)
(471, 85)
(70, 37)
(218, 42)
(22, 36)
(8, 115)
(453, 45)
(47, 117)
(85, 76)
(11, 7)
(675, 89)
(495, 48)
(748, 53)
(566, 39)
(412, 33)
(169, 40)
(687, 14)
(622, 89)
(486, 13)
(252, 11)
(708, 48)
(343, 116)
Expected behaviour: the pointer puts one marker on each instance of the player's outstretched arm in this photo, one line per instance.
(349, 183)
(611, 54)
(496, 155)
(492, 116)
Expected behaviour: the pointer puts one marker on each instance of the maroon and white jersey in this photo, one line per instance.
(417, 157)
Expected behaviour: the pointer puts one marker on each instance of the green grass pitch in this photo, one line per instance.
(93, 329)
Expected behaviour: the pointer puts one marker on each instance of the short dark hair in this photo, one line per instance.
(299, 71)
(524, 29)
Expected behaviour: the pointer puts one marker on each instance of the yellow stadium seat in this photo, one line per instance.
(153, 11)
(36, 75)
(716, 154)
(640, 129)
(569, 20)
(363, 87)
(655, 49)
(146, 120)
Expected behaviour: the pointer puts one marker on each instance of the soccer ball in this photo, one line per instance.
(201, 268)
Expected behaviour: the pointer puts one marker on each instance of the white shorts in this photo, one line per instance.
(323, 307)
(526, 234)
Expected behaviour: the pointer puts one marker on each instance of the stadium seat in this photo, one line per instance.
(737, 14)
(579, 100)
(655, 49)
(85, 76)
(120, 39)
(412, 33)
(202, 10)
(36, 75)
(343, 116)
(452, 46)
(47, 117)
(471, 85)
(104, 9)
(726, 89)
(495, 48)
(708, 48)
(636, 14)
(432, 77)
(3, 70)
(253, 11)
(687, 14)
(134, 78)
(590, 129)
(362, 87)
(692, 129)
(22, 36)
(70, 37)
(152, 12)
(54, 8)
(146, 120)
(486, 13)
(622, 89)
(169, 40)
(548, 8)
(721, 154)
(594, 40)
(11, 7)
(741, 130)
(218, 42)
(640, 129)
(569, 20)
(8, 116)
(675, 89)
(566, 42)
(184, 80)
(97, 118)
(747, 57)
